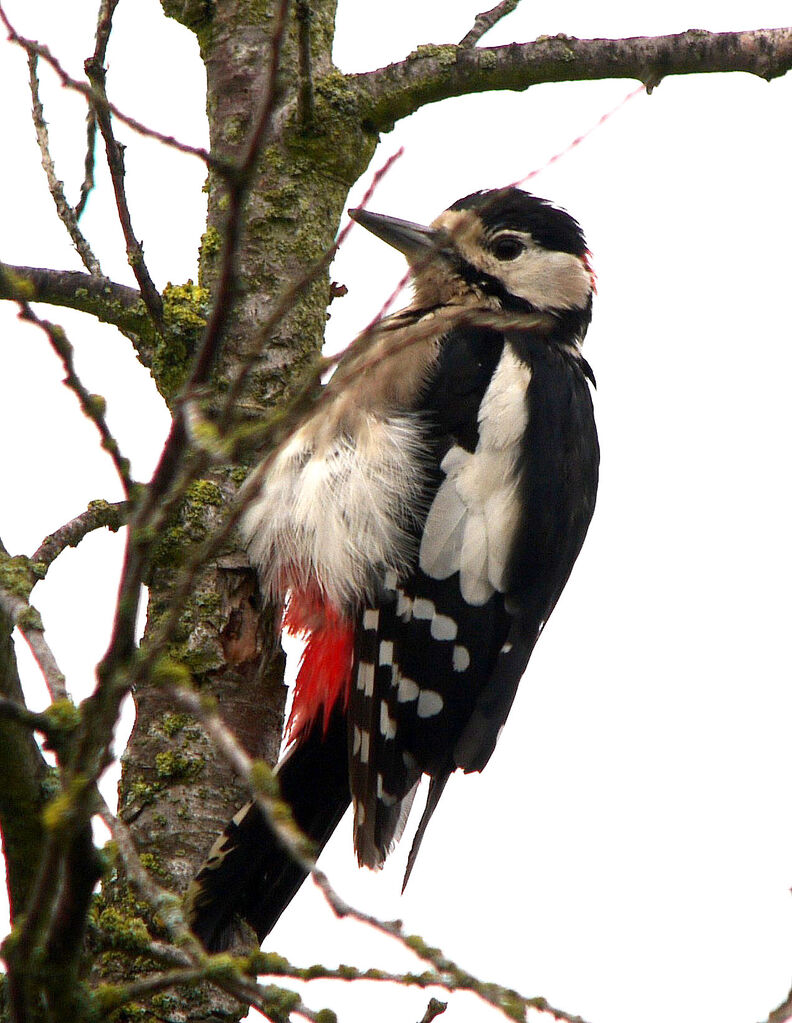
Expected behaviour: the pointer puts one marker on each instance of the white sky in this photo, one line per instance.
(628, 851)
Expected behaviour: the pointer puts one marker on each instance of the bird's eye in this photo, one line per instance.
(507, 248)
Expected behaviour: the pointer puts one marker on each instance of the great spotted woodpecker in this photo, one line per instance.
(418, 528)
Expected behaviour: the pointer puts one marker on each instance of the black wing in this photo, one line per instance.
(440, 652)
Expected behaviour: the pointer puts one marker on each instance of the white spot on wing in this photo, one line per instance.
(385, 797)
(403, 605)
(460, 658)
(387, 723)
(370, 618)
(429, 703)
(423, 609)
(386, 652)
(407, 690)
(443, 627)
(365, 677)
(364, 746)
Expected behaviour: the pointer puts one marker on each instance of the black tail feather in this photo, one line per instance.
(436, 787)
(248, 875)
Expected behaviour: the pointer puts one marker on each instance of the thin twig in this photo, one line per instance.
(104, 24)
(305, 91)
(450, 976)
(31, 46)
(434, 1009)
(486, 20)
(783, 1012)
(15, 605)
(17, 712)
(90, 161)
(98, 515)
(141, 989)
(164, 903)
(92, 405)
(115, 162)
(205, 711)
(65, 212)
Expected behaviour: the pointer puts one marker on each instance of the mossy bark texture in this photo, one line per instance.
(177, 792)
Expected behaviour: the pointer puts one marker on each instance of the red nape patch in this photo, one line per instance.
(586, 259)
(326, 663)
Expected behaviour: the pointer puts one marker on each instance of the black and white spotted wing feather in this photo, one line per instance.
(441, 650)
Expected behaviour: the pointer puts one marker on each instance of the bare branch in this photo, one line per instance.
(435, 73)
(109, 302)
(165, 904)
(92, 405)
(257, 775)
(486, 20)
(12, 710)
(434, 1009)
(115, 163)
(98, 515)
(448, 974)
(783, 1012)
(104, 26)
(90, 161)
(65, 212)
(22, 768)
(31, 46)
(28, 621)
(16, 582)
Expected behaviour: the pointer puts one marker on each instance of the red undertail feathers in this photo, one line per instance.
(326, 662)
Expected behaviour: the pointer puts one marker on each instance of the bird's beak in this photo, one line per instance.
(415, 241)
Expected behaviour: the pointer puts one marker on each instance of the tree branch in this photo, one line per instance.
(92, 405)
(98, 515)
(115, 162)
(487, 20)
(104, 25)
(72, 289)
(22, 768)
(65, 212)
(434, 73)
(31, 46)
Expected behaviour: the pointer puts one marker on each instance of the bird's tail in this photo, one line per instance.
(248, 874)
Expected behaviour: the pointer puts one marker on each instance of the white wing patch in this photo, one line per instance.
(331, 510)
(472, 519)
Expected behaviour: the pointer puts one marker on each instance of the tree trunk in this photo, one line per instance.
(177, 791)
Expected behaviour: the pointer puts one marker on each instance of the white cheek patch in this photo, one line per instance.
(471, 522)
(548, 280)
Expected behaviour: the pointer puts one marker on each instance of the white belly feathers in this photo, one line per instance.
(332, 510)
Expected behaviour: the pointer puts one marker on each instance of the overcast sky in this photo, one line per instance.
(628, 851)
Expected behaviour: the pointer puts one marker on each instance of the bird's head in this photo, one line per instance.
(499, 249)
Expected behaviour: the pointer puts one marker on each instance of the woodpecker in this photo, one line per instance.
(418, 528)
